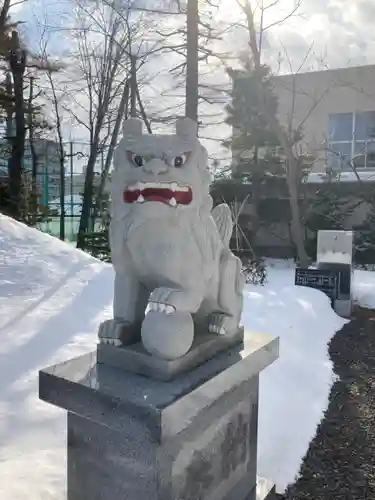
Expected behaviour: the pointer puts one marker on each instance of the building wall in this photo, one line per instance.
(310, 98)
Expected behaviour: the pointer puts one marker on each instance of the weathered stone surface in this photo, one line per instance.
(214, 458)
(122, 399)
(335, 247)
(193, 438)
(335, 253)
(136, 359)
(170, 249)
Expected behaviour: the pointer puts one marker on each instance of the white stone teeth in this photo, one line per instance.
(138, 186)
(175, 187)
(140, 199)
(173, 202)
(151, 185)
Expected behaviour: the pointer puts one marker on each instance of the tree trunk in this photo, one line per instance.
(34, 158)
(62, 188)
(17, 63)
(121, 114)
(192, 29)
(133, 86)
(87, 194)
(296, 226)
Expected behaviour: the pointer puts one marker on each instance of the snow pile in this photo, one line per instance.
(294, 390)
(364, 288)
(53, 298)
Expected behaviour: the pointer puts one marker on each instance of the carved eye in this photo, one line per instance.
(179, 161)
(136, 159)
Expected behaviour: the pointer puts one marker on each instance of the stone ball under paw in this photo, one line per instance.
(167, 336)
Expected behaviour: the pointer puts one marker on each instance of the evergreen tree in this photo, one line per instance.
(365, 236)
(253, 143)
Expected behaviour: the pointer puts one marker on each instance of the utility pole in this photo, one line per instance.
(192, 81)
(34, 159)
(133, 85)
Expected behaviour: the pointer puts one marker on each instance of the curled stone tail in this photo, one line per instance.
(223, 220)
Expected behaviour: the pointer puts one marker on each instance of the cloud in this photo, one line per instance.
(336, 33)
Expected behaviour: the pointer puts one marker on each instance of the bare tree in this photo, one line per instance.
(103, 51)
(55, 95)
(287, 136)
(17, 64)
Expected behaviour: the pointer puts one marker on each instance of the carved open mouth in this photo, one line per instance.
(169, 193)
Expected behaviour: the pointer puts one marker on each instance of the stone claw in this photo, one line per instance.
(168, 300)
(115, 332)
(219, 330)
(160, 307)
(115, 342)
(221, 324)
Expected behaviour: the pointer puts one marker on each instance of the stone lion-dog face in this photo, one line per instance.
(157, 175)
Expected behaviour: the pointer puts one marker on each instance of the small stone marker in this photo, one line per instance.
(324, 280)
(135, 438)
(335, 253)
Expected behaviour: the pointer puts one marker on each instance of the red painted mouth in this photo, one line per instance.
(173, 196)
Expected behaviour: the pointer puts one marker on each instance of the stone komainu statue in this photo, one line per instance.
(174, 271)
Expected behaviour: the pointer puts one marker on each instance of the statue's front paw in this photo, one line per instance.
(222, 324)
(116, 332)
(162, 300)
(168, 301)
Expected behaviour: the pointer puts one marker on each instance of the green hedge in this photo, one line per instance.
(97, 245)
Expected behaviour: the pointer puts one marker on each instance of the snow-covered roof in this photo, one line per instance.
(320, 177)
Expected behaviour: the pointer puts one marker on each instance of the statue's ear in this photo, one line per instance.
(132, 127)
(185, 127)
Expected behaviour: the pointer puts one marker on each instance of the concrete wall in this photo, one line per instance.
(310, 98)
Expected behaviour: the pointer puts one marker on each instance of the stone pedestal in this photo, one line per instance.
(335, 253)
(135, 438)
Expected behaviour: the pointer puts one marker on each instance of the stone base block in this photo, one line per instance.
(135, 438)
(343, 308)
(134, 358)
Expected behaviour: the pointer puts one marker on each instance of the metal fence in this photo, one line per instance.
(57, 204)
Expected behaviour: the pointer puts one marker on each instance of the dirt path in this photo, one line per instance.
(340, 463)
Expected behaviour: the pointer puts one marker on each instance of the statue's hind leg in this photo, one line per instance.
(226, 320)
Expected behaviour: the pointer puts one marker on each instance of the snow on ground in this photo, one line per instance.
(364, 288)
(294, 391)
(52, 299)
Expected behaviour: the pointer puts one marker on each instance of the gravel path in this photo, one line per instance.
(340, 463)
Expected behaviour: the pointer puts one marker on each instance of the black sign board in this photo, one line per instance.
(321, 279)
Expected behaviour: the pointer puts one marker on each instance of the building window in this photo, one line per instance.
(351, 141)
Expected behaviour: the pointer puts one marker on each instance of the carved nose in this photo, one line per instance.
(155, 167)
